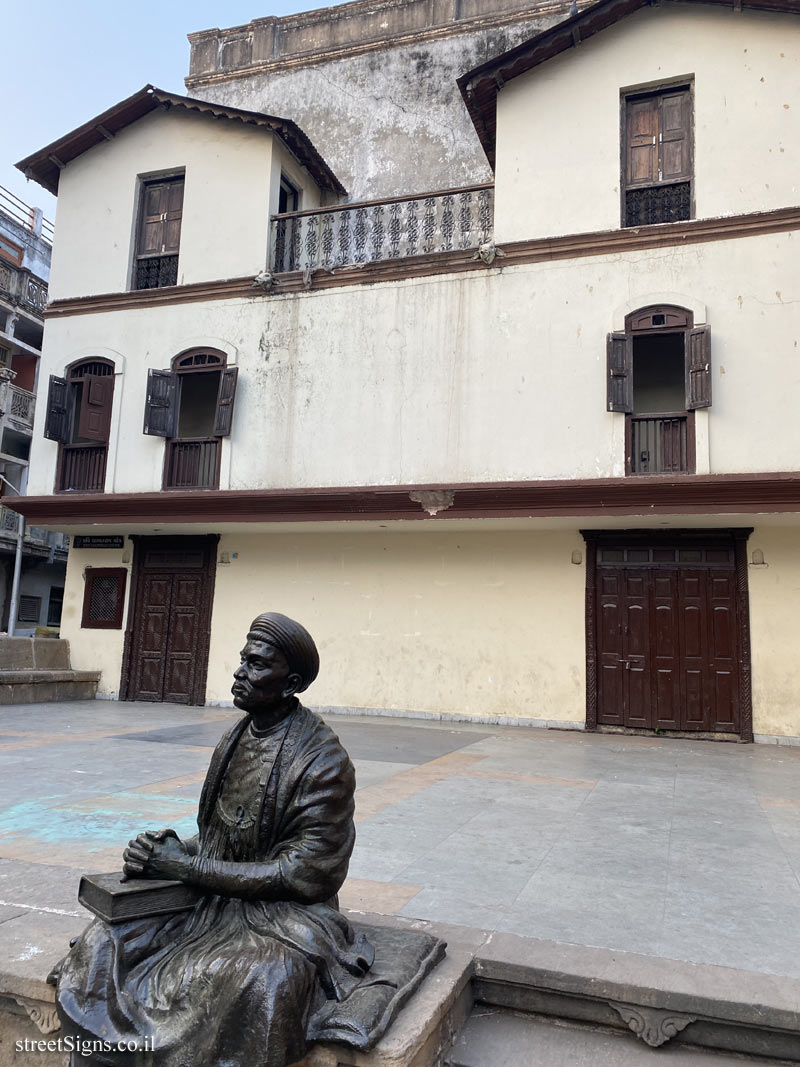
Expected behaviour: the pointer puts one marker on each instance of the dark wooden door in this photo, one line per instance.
(668, 637)
(168, 636)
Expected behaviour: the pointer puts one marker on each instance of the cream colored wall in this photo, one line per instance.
(474, 624)
(495, 375)
(226, 201)
(92, 650)
(558, 126)
(774, 605)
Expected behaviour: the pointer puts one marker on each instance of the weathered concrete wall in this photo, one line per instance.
(774, 597)
(373, 84)
(492, 375)
(558, 146)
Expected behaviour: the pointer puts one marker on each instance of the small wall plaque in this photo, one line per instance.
(109, 541)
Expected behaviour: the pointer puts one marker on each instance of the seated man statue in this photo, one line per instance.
(242, 978)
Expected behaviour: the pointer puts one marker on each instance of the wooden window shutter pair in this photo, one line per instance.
(162, 404)
(93, 417)
(657, 138)
(619, 370)
(160, 225)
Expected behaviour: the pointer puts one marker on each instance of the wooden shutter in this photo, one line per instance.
(94, 417)
(223, 417)
(160, 227)
(674, 139)
(56, 420)
(641, 141)
(619, 351)
(161, 408)
(698, 368)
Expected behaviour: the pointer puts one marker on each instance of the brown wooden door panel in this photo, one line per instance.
(667, 642)
(168, 643)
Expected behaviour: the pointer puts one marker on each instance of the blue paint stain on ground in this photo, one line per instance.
(55, 825)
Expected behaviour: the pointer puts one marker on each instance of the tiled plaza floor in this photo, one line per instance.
(688, 850)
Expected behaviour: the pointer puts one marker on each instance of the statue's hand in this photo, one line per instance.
(156, 854)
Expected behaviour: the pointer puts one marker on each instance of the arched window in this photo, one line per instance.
(659, 374)
(191, 405)
(79, 410)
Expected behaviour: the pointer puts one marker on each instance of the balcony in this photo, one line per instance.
(661, 444)
(379, 230)
(192, 463)
(35, 537)
(17, 407)
(20, 287)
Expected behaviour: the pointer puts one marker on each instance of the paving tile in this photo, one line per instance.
(368, 772)
(400, 743)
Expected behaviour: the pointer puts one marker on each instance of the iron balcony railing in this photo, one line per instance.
(377, 230)
(30, 217)
(19, 286)
(660, 444)
(192, 463)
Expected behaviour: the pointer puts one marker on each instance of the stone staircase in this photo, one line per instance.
(34, 669)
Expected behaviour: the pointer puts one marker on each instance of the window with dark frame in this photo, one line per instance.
(78, 417)
(191, 405)
(54, 605)
(659, 374)
(657, 156)
(158, 234)
(103, 598)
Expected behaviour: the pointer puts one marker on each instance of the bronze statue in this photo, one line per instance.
(245, 976)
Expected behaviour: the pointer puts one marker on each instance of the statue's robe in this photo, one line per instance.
(239, 980)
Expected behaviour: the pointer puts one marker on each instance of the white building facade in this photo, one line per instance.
(524, 450)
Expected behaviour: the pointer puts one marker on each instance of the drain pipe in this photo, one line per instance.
(12, 608)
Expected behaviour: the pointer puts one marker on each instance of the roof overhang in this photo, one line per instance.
(45, 166)
(585, 499)
(480, 86)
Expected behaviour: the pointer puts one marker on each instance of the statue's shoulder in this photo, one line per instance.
(318, 736)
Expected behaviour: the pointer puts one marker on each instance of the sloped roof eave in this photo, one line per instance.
(479, 86)
(45, 165)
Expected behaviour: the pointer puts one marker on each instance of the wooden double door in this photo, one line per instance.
(670, 641)
(168, 636)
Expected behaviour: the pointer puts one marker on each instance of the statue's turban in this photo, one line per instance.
(293, 640)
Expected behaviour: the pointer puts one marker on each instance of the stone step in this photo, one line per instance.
(35, 686)
(498, 1037)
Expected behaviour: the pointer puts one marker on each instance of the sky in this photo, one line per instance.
(65, 61)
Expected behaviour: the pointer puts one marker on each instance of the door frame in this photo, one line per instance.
(206, 543)
(638, 537)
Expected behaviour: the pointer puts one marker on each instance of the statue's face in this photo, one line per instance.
(263, 680)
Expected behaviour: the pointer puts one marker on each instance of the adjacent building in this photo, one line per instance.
(25, 247)
(525, 449)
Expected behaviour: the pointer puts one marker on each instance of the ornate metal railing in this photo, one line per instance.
(375, 230)
(19, 286)
(156, 272)
(19, 406)
(82, 468)
(660, 444)
(192, 463)
(659, 203)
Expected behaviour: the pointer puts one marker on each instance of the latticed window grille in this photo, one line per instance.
(662, 203)
(103, 599)
(156, 272)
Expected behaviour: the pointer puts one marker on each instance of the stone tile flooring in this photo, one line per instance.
(688, 850)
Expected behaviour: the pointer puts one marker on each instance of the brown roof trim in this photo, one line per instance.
(539, 250)
(46, 165)
(479, 86)
(707, 494)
